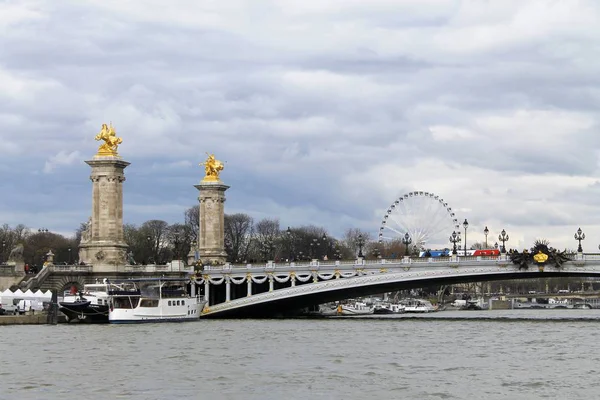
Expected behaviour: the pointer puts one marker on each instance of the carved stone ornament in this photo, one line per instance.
(100, 255)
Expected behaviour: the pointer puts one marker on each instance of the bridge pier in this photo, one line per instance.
(102, 243)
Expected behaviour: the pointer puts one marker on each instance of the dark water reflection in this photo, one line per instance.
(521, 354)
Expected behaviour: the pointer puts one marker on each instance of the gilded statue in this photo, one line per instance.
(540, 257)
(111, 141)
(212, 167)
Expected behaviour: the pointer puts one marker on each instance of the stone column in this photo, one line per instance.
(227, 289)
(211, 238)
(207, 291)
(103, 244)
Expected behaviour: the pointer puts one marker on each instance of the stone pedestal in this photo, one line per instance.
(102, 243)
(211, 237)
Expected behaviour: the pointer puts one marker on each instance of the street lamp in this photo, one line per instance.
(149, 239)
(376, 252)
(466, 225)
(361, 243)
(338, 253)
(325, 246)
(503, 237)
(485, 232)
(176, 246)
(69, 249)
(406, 240)
(496, 245)
(579, 236)
(288, 233)
(3, 250)
(454, 238)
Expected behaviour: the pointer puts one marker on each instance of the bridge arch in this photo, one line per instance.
(289, 300)
(67, 282)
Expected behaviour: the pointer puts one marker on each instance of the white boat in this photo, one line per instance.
(89, 305)
(389, 308)
(155, 300)
(417, 306)
(357, 308)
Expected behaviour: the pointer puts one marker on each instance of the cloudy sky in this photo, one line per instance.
(325, 112)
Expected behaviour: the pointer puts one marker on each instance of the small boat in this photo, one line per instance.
(328, 311)
(417, 306)
(89, 305)
(389, 308)
(155, 300)
(582, 306)
(471, 305)
(357, 308)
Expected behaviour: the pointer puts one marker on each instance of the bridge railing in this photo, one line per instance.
(146, 268)
(429, 262)
(70, 268)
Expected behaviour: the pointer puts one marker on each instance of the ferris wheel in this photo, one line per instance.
(426, 217)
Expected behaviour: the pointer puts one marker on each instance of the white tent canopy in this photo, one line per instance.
(28, 295)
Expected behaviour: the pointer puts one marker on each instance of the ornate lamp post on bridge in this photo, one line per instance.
(579, 236)
(176, 246)
(150, 258)
(406, 240)
(361, 243)
(485, 232)
(290, 240)
(377, 253)
(454, 238)
(466, 225)
(338, 253)
(325, 242)
(70, 262)
(3, 251)
(503, 237)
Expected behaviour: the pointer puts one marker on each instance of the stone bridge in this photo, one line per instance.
(280, 289)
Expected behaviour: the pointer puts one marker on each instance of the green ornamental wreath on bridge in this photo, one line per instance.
(541, 254)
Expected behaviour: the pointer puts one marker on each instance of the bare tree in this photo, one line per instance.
(192, 220)
(156, 232)
(478, 246)
(266, 235)
(351, 238)
(238, 232)
(179, 237)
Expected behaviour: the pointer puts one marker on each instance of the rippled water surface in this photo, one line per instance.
(520, 354)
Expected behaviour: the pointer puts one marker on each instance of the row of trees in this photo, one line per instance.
(246, 240)
(36, 244)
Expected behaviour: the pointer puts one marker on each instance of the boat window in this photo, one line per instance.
(124, 302)
(169, 302)
(149, 303)
(178, 302)
(183, 302)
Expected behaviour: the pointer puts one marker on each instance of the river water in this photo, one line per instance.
(515, 354)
